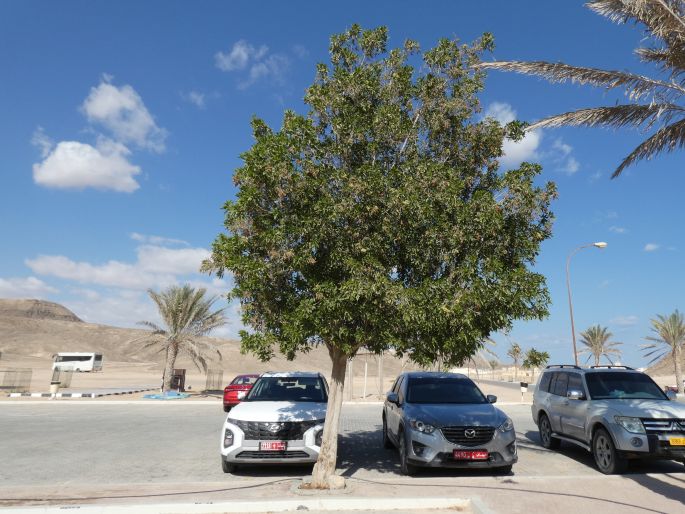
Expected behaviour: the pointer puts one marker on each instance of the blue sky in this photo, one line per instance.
(121, 124)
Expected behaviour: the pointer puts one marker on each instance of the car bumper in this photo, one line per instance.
(435, 451)
(656, 446)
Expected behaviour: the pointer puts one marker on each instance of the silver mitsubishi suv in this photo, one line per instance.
(614, 412)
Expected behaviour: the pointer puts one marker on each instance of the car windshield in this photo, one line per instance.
(288, 389)
(244, 380)
(622, 386)
(443, 390)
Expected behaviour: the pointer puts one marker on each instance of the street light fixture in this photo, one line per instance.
(600, 245)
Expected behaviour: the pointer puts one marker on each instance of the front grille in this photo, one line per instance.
(277, 431)
(458, 435)
(664, 425)
(295, 454)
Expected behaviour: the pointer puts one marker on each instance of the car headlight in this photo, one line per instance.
(420, 426)
(318, 438)
(632, 425)
(228, 438)
(506, 426)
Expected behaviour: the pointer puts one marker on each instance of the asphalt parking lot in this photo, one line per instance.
(107, 445)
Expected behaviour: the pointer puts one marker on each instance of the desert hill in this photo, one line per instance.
(36, 309)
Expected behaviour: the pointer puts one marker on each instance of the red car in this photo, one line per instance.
(237, 389)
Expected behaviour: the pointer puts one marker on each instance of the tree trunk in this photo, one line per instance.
(172, 352)
(515, 373)
(325, 464)
(677, 357)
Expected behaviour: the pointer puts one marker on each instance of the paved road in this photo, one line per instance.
(64, 445)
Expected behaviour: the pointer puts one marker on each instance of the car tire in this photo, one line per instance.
(387, 443)
(545, 430)
(608, 460)
(504, 470)
(227, 467)
(406, 468)
(227, 408)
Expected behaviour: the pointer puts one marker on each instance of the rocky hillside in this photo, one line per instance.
(36, 309)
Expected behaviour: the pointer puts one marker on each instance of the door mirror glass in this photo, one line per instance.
(575, 394)
(491, 398)
(393, 398)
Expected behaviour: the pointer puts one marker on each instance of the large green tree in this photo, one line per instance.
(597, 344)
(669, 339)
(380, 218)
(187, 315)
(657, 101)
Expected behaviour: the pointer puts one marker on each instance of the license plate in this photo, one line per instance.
(470, 454)
(677, 441)
(272, 446)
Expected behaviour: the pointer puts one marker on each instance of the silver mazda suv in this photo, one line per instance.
(444, 420)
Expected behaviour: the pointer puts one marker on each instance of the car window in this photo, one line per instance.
(243, 380)
(618, 386)
(396, 385)
(400, 392)
(575, 382)
(560, 384)
(443, 390)
(552, 382)
(288, 389)
(544, 382)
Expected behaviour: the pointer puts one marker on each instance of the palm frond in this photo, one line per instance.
(668, 60)
(637, 86)
(614, 116)
(667, 138)
(663, 19)
(156, 329)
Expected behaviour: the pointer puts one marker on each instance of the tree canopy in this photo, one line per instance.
(381, 218)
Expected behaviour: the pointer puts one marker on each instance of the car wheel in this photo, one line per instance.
(545, 428)
(405, 467)
(227, 408)
(387, 443)
(228, 467)
(606, 457)
(504, 470)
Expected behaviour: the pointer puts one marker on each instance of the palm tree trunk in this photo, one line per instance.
(172, 352)
(677, 357)
(324, 468)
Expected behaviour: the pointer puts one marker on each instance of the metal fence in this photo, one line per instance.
(215, 380)
(15, 380)
(63, 377)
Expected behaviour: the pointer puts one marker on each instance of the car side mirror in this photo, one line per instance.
(671, 395)
(491, 398)
(393, 398)
(574, 394)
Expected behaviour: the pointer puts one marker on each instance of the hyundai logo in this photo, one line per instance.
(274, 427)
(469, 433)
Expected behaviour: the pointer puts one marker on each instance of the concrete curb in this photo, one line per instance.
(304, 504)
(80, 395)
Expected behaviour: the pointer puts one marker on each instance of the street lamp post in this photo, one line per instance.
(599, 244)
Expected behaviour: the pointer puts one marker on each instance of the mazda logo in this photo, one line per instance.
(469, 433)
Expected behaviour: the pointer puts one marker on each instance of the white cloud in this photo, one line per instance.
(239, 56)
(42, 141)
(300, 51)
(514, 152)
(155, 267)
(74, 165)
(196, 98)
(29, 287)
(624, 321)
(256, 60)
(618, 230)
(156, 240)
(121, 110)
(560, 154)
(651, 247)
(501, 111)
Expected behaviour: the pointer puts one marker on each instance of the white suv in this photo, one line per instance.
(279, 421)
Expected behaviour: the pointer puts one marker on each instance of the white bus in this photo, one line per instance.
(78, 361)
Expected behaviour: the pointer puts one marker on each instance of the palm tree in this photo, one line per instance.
(515, 353)
(670, 339)
(597, 345)
(535, 359)
(493, 364)
(652, 102)
(186, 315)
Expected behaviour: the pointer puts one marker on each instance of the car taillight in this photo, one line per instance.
(228, 438)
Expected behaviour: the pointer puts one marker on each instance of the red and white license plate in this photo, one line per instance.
(272, 446)
(470, 455)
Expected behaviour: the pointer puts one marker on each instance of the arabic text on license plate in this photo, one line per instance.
(470, 454)
(677, 441)
(274, 446)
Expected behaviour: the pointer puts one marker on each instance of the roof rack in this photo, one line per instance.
(563, 366)
(612, 366)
